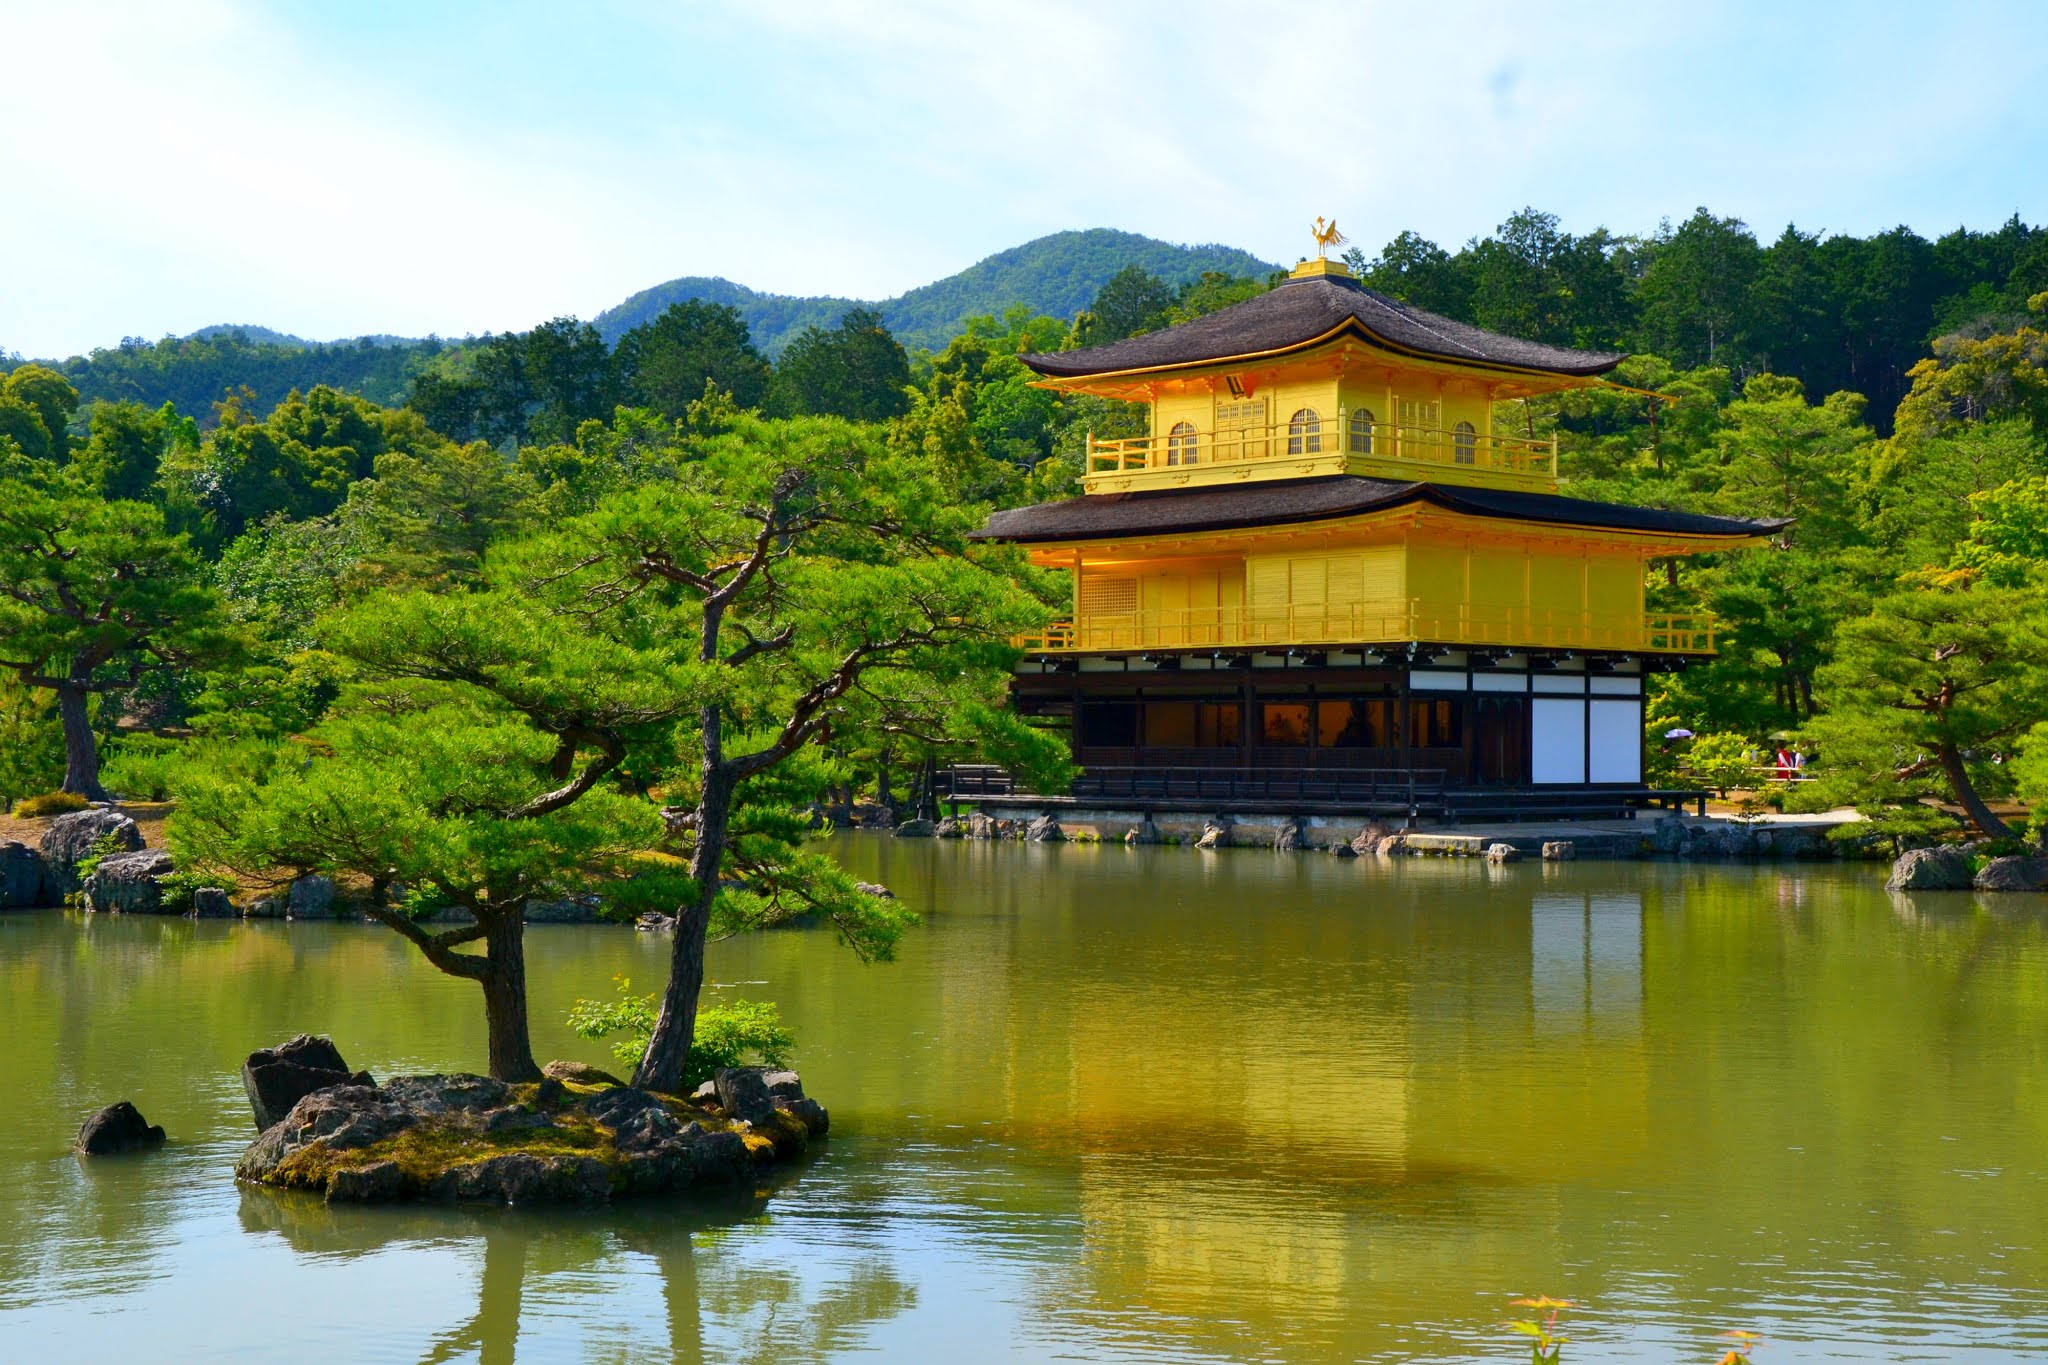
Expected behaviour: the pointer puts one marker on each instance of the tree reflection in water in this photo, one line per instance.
(696, 1250)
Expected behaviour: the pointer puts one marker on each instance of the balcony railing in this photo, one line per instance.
(1368, 623)
(1446, 449)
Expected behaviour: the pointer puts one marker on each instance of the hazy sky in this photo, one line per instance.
(413, 168)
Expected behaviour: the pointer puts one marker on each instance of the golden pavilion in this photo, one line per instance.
(1331, 575)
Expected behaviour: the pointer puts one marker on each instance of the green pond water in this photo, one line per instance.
(1119, 1105)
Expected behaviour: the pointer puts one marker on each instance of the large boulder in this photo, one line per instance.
(2024, 872)
(1045, 830)
(950, 828)
(72, 838)
(1503, 853)
(743, 1092)
(1941, 868)
(981, 825)
(1559, 850)
(116, 1129)
(277, 1078)
(1668, 836)
(211, 902)
(1287, 839)
(127, 883)
(21, 877)
(310, 897)
(919, 828)
(1368, 840)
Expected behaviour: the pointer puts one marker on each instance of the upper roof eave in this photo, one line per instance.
(1305, 313)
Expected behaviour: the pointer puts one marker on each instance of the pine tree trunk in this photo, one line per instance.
(675, 1027)
(81, 750)
(504, 986)
(1966, 793)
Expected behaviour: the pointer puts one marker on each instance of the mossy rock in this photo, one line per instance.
(470, 1138)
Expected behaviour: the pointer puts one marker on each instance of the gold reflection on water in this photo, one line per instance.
(1196, 1105)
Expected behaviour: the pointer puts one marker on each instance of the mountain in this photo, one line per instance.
(1056, 275)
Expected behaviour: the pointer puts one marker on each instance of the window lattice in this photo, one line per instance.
(1109, 596)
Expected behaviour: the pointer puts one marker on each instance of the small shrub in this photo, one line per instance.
(742, 1033)
(51, 803)
(1721, 761)
(143, 766)
(177, 887)
(103, 848)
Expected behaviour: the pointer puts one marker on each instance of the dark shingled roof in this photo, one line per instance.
(1301, 311)
(1104, 516)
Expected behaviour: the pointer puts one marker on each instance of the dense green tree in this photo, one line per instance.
(1969, 380)
(471, 764)
(21, 426)
(2008, 541)
(126, 445)
(280, 576)
(1779, 456)
(1133, 300)
(1418, 271)
(1213, 291)
(856, 371)
(31, 741)
(1929, 691)
(1920, 495)
(430, 515)
(665, 364)
(299, 461)
(51, 397)
(1695, 290)
(568, 376)
(823, 583)
(94, 597)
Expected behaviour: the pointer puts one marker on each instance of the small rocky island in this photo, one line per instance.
(576, 1135)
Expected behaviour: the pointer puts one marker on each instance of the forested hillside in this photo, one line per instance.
(1055, 275)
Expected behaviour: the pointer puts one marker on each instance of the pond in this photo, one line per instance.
(1120, 1105)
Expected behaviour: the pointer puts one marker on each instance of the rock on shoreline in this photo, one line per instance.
(470, 1138)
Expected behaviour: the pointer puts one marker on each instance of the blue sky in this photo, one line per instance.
(369, 167)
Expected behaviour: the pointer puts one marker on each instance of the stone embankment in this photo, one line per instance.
(469, 1138)
(1672, 836)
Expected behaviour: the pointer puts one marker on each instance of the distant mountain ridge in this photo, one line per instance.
(1056, 275)
(268, 336)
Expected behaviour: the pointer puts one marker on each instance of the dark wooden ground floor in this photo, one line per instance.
(1350, 733)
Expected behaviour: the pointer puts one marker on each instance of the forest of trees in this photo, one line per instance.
(504, 609)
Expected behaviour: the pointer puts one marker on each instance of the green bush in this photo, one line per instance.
(743, 1033)
(50, 803)
(103, 848)
(141, 767)
(1721, 761)
(177, 887)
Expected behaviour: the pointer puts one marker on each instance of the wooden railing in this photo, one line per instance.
(1368, 623)
(1438, 446)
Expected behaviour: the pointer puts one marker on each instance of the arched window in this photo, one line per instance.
(1180, 443)
(1465, 443)
(1305, 433)
(1361, 431)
